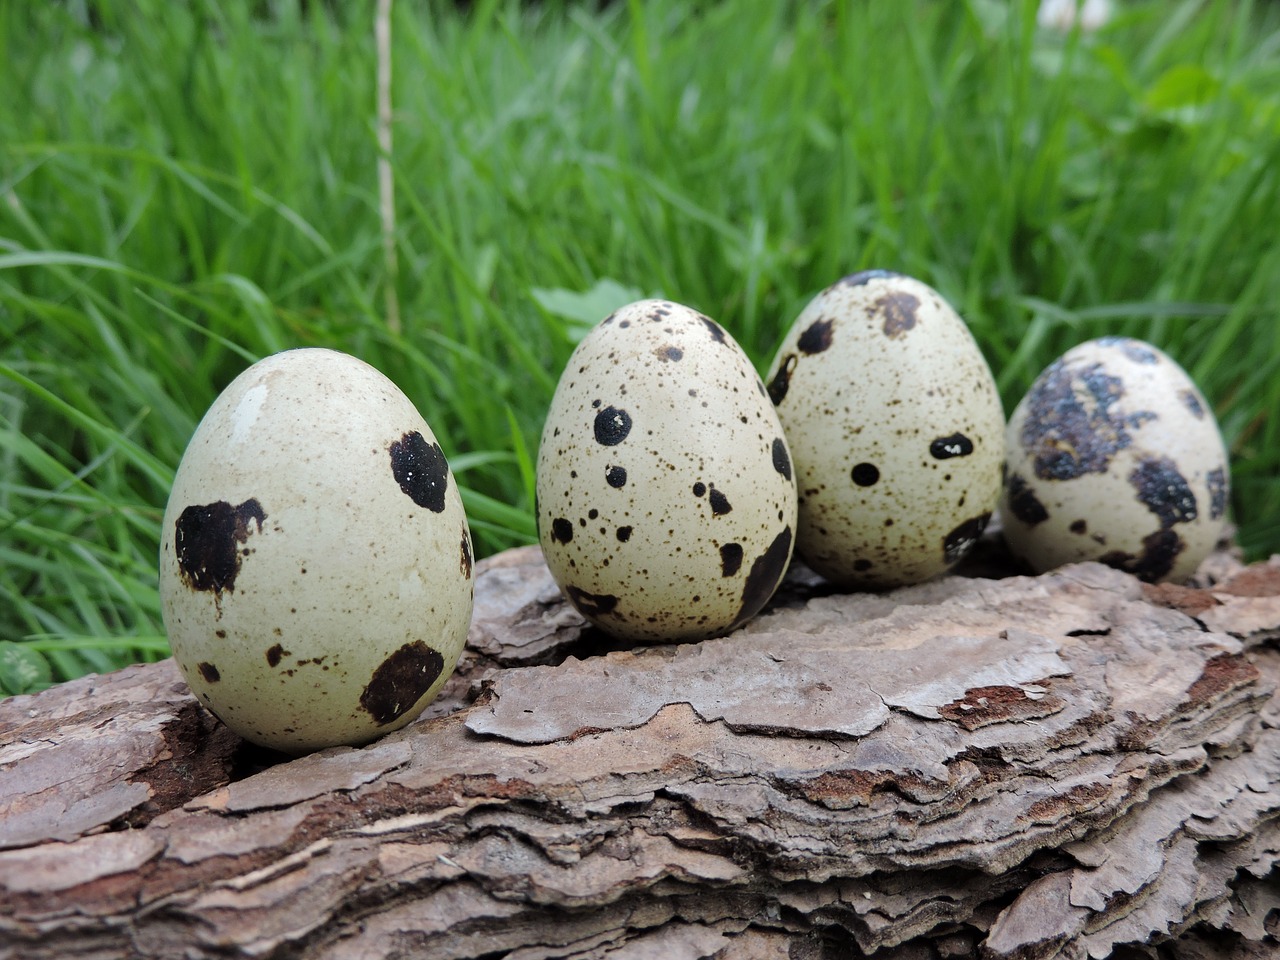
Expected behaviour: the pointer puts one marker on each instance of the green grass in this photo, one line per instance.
(187, 187)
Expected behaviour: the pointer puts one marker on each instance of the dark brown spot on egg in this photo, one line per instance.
(781, 459)
(421, 470)
(955, 445)
(669, 353)
(1072, 426)
(719, 503)
(1079, 527)
(465, 560)
(1217, 481)
(591, 605)
(206, 540)
(623, 534)
(561, 530)
(209, 672)
(1023, 502)
(612, 426)
(1164, 491)
(616, 477)
(957, 543)
(781, 381)
(400, 681)
(730, 559)
(275, 654)
(766, 570)
(716, 331)
(899, 312)
(699, 489)
(816, 337)
(1192, 403)
(862, 566)
(865, 474)
(1135, 350)
(1160, 551)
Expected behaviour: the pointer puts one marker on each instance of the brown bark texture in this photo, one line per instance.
(1072, 765)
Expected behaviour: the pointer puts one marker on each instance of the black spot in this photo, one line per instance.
(205, 542)
(862, 566)
(592, 514)
(1192, 403)
(782, 379)
(274, 655)
(1160, 551)
(1072, 427)
(464, 562)
(624, 534)
(719, 503)
(209, 672)
(730, 559)
(899, 312)
(865, 277)
(1023, 502)
(957, 543)
(421, 470)
(1135, 350)
(1079, 526)
(1217, 481)
(766, 570)
(616, 477)
(561, 530)
(865, 474)
(816, 337)
(1164, 491)
(699, 488)
(591, 604)
(400, 681)
(612, 426)
(781, 461)
(717, 331)
(956, 445)
(669, 353)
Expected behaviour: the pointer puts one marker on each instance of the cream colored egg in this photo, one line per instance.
(1114, 455)
(666, 504)
(315, 560)
(896, 431)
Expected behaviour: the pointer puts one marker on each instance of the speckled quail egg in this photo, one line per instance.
(896, 431)
(315, 560)
(1114, 455)
(666, 504)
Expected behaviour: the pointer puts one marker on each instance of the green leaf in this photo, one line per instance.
(584, 310)
(22, 670)
(1179, 87)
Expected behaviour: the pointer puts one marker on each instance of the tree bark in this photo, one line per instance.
(1072, 765)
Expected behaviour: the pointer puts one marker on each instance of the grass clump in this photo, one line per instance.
(186, 188)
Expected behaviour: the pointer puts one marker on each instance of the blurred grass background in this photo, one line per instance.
(186, 187)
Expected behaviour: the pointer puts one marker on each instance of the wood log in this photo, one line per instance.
(1072, 765)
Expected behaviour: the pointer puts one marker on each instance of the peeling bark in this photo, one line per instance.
(1073, 765)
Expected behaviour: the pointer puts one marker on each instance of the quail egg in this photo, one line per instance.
(665, 498)
(1115, 455)
(896, 431)
(315, 560)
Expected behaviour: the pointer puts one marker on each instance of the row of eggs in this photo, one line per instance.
(316, 563)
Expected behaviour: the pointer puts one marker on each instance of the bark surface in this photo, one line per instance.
(1073, 765)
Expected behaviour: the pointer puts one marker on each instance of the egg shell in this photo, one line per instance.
(315, 560)
(1115, 455)
(896, 431)
(666, 503)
